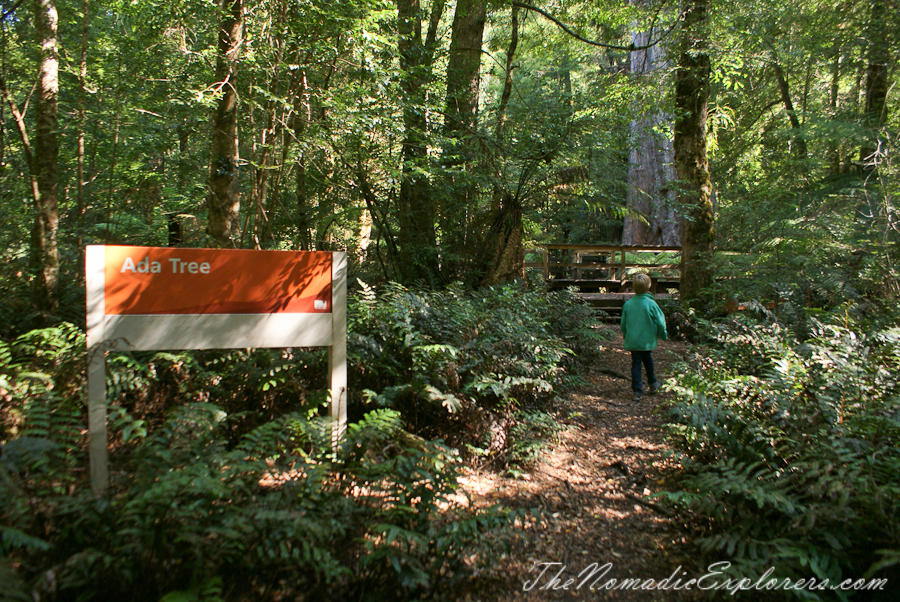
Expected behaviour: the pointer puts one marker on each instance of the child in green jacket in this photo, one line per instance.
(642, 322)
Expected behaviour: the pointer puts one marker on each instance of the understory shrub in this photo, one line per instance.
(790, 447)
(224, 480)
(281, 514)
(463, 365)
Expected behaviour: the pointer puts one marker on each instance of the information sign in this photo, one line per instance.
(151, 298)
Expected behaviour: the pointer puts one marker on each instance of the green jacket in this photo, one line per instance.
(642, 321)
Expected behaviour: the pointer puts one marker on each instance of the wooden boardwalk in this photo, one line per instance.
(603, 273)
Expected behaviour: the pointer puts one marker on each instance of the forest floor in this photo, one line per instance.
(591, 485)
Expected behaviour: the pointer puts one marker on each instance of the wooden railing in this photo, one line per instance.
(604, 266)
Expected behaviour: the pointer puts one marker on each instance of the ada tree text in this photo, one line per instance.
(178, 266)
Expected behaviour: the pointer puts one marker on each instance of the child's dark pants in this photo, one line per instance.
(638, 358)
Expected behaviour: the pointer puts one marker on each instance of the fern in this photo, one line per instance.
(788, 450)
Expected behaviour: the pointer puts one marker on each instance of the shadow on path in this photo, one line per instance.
(591, 485)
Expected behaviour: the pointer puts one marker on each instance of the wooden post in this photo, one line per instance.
(94, 261)
(337, 352)
(97, 436)
(545, 260)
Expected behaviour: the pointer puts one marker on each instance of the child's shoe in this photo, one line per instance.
(636, 396)
(654, 388)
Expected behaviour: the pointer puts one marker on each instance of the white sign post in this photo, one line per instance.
(153, 298)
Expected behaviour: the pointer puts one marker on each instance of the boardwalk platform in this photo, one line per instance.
(611, 303)
(603, 273)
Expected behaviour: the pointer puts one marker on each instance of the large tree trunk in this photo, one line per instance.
(503, 251)
(691, 161)
(464, 67)
(460, 126)
(224, 194)
(651, 173)
(416, 236)
(45, 251)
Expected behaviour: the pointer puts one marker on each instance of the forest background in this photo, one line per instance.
(435, 143)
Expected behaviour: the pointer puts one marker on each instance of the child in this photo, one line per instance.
(642, 321)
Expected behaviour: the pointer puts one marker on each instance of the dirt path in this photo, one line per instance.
(591, 485)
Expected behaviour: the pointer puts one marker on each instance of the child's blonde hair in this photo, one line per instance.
(641, 284)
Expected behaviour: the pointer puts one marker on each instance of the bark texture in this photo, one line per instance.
(460, 126)
(416, 236)
(503, 250)
(224, 195)
(82, 84)
(464, 67)
(45, 249)
(691, 160)
(651, 172)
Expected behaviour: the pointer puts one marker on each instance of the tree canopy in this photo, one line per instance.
(409, 133)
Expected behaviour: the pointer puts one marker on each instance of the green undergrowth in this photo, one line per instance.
(225, 484)
(788, 431)
(470, 368)
(281, 514)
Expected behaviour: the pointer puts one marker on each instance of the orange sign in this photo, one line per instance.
(161, 280)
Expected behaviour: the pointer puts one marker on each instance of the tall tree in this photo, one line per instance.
(416, 217)
(45, 247)
(224, 200)
(651, 174)
(460, 127)
(691, 160)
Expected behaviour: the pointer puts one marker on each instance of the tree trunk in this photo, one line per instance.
(651, 173)
(261, 231)
(834, 150)
(262, 228)
(26, 142)
(82, 83)
(464, 67)
(302, 116)
(460, 126)
(114, 155)
(503, 256)
(691, 161)
(45, 251)
(879, 31)
(224, 194)
(785, 92)
(416, 236)
(508, 77)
